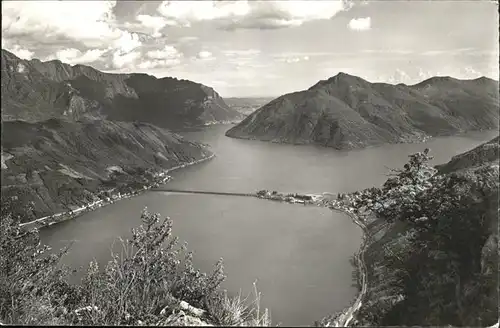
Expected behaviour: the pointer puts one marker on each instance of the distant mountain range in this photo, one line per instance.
(346, 112)
(35, 91)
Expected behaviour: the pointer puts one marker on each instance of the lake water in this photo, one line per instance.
(298, 254)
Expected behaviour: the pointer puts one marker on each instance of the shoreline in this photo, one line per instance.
(348, 147)
(190, 163)
(347, 315)
(229, 122)
(404, 141)
(52, 219)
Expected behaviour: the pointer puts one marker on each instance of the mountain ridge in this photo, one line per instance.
(36, 91)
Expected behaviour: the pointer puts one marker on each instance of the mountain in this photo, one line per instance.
(346, 112)
(61, 165)
(35, 91)
(247, 106)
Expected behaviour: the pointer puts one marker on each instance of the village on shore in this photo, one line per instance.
(110, 196)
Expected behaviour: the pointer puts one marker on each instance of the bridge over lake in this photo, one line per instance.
(203, 192)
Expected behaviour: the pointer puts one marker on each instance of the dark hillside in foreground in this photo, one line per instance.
(433, 258)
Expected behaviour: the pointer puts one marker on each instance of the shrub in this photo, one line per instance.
(143, 285)
(238, 311)
(146, 281)
(30, 277)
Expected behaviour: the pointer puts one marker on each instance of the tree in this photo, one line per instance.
(399, 190)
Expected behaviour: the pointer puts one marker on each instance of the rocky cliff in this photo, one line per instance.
(60, 165)
(347, 112)
(35, 91)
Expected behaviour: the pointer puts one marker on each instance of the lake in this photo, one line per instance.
(299, 255)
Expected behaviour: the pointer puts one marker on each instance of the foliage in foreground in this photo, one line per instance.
(144, 285)
(31, 283)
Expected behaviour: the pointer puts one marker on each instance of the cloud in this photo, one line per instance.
(122, 60)
(149, 25)
(387, 51)
(20, 52)
(185, 12)
(290, 60)
(478, 52)
(74, 56)
(251, 14)
(150, 64)
(167, 57)
(434, 52)
(66, 26)
(152, 22)
(399, 76)
(244, 58)
(360, 24)
(424, 75)
(168, 52)
(219, 83)
(447, 51)
(205, 55)
(471, 72)
(87, 22)
(127, 42)
(237, 53)
(295, 57)
(412, 75)
(187, 39)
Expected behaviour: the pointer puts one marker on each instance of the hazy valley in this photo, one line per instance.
(247, 106)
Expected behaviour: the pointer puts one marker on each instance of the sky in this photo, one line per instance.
(261, 48)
